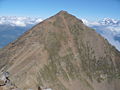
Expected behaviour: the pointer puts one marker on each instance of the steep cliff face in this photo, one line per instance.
(61, 53)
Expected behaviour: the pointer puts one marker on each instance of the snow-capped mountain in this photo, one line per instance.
(108, 21)
(103, 22)
(108, 28)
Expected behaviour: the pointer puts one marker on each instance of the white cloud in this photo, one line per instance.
(113, 29)
(38, 20)
(1, 22)
(109, 35)
(19, 21)
(90, 23)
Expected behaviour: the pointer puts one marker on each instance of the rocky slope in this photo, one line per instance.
(61, 53)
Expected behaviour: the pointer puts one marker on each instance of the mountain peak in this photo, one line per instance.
(63, 12)
(67, 15)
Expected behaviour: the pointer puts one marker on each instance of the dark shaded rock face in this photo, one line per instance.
(61, 53)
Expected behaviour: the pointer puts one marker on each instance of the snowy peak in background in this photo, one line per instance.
(18, 21)
(103, 22)
(109, 21)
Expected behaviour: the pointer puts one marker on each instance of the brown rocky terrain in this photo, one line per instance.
(61, 53)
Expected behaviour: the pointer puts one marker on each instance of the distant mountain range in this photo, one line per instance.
(11, 27)
(103, 22)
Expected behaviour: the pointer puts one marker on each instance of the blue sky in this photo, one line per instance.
(89, 9)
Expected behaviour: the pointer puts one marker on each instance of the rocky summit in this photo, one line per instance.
(60, 53)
